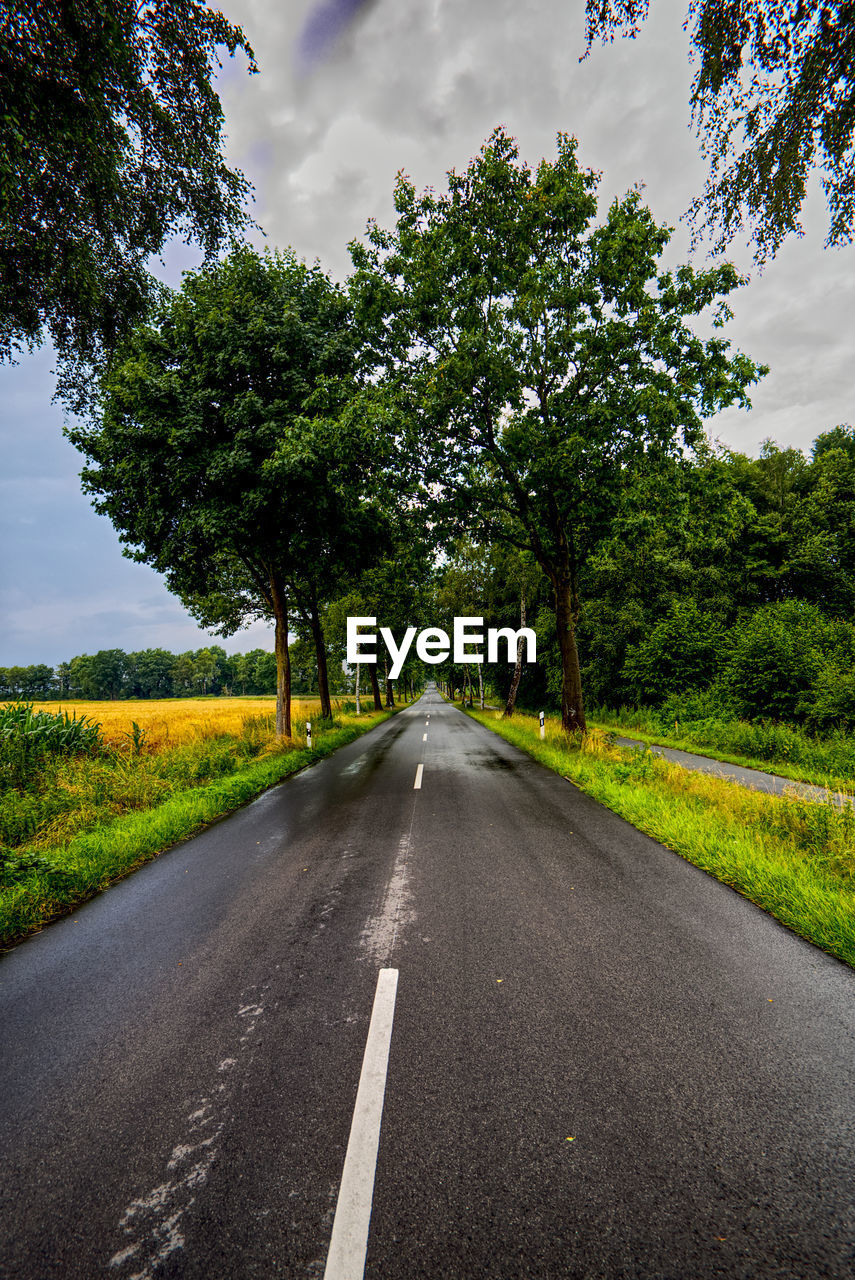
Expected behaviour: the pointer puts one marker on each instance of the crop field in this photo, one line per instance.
(169, 721)
(84, 801)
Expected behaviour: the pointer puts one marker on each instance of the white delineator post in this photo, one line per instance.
(542, 725)
(309, 734)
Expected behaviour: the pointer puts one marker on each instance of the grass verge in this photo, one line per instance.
(43, 881)
(793, 773)
(771, 748)
(794, 858)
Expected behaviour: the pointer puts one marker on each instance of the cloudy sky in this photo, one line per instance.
(414, 85)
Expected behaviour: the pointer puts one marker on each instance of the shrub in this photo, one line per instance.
(833, 704)
(777, 655)
(682, 651)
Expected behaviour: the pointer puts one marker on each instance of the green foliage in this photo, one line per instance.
(683, 650)
(832, 704)
(17, 868)
(232, 452)
(30, 739)
(110, 142)
(773, 99)
(549, 356)
(776, 655)
(188, 459)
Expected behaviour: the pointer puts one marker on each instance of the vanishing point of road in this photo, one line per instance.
(428, 981)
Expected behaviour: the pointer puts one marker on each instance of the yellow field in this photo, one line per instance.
(167, 721)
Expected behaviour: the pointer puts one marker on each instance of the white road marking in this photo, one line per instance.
(424, 737)
(417, 785)
(349, 1240)
(150, 1225)
(381, 931)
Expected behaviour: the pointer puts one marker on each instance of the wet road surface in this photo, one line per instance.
(600, 1062)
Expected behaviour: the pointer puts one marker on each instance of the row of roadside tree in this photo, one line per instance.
(500, 412)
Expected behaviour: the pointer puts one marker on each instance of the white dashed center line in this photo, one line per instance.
(417, 785)
(349, 1240)
(424, 737)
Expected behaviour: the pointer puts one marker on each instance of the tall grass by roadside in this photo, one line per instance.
(778, 748)
(795, 858)
(82, 820)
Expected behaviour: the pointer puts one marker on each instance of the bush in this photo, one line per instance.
(833, 704)
(777, 656)
(714, 703)
(684, 650)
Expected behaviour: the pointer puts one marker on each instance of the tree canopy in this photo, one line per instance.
(223, 453)
(547, 356)
(773, 99)
(110, 142)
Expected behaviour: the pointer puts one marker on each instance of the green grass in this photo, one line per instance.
(794, 858)
(773, 748)
(131, 808)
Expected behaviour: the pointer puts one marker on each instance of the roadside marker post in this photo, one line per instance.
(309, 734)
(542, 725)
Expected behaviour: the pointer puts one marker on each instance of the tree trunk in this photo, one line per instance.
(283, 659)
(321, 656)
(375, 686)
(515, 682)
(572, 706)
(390, 697)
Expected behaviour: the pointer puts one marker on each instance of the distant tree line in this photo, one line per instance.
(156, 673)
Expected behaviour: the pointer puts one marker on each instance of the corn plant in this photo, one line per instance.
(29, 739)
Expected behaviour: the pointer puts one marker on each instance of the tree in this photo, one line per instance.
(546, 358)
(219, 427)
(821, 559)
(98, 675)
(110, 142)
(184, 673)
(773, 98)
(205, 667)
(682, 651)
(777, 654)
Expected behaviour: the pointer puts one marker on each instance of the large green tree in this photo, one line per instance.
(219, 427)
(545, 356)
(110, 142)
(773, 99)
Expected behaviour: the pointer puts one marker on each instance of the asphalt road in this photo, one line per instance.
(180, 1058)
